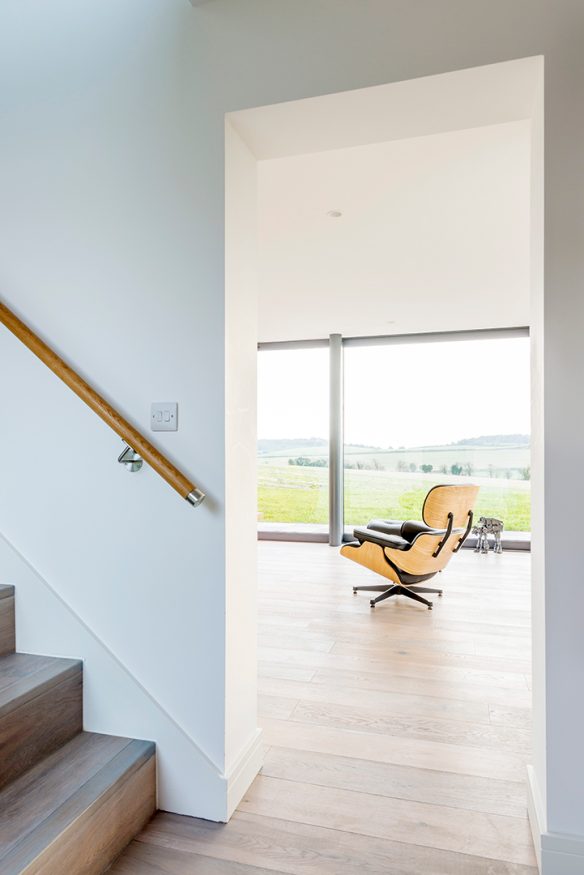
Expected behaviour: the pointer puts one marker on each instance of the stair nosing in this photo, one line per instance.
(27, 688)
(93, 792)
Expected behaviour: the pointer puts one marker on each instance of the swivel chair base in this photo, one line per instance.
(412, 592)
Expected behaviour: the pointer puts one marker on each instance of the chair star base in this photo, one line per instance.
(412, 592)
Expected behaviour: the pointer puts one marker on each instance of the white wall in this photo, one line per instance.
(112, 178)
(111, 245)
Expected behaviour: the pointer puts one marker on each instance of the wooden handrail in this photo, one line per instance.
(99, 405)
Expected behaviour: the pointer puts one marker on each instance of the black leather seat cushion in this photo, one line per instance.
(366, 534)
(388, 527)
(407, 530)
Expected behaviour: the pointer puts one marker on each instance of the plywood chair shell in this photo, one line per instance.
(444, 499)
(419, 559)
(370, 556)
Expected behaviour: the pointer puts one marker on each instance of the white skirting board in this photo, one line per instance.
(557, 853)
(246, 767)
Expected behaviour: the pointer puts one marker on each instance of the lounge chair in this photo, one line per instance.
(410, 553)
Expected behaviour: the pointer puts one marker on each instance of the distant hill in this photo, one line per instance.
(268, 446)
(274, 445)
(494, 440)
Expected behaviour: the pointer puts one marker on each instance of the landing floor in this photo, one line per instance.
(396, 739)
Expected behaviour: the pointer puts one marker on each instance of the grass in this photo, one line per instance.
(289, 494)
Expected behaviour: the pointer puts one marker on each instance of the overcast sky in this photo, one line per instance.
(414, 395)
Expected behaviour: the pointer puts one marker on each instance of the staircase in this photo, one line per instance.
(70, 801)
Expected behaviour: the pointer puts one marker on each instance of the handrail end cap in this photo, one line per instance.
(196, 497)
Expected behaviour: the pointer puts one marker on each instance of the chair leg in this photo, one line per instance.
(416, 588)
(417, 598)
(380, 587)
(393, 590)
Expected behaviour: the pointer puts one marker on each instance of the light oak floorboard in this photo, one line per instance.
(477, 834)
(397, 781)
(276, 706)
(396, 739)
(298, 849)
(399, 683)
(419, 753)
(285, 672)
(415, 665)
(455, 732)
(381, 702)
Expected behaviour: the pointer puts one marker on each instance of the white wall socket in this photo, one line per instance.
(164, 416)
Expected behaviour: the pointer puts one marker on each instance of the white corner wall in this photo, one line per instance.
(243, 748)
(112, 245)
(537, 777)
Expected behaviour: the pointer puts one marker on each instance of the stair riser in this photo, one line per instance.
(40, 726)
(7, 642)
(100, 834)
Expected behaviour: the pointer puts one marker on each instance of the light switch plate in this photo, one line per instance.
(164, 416)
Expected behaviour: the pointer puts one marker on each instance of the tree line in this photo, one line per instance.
(459, 470)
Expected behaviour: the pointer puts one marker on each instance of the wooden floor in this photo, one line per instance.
(396, 738)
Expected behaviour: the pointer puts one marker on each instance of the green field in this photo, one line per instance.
(292, 493)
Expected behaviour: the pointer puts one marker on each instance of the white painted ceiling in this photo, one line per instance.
(434, 236)
(432, 179)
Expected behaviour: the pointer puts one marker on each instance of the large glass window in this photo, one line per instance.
(293, 405)
(418, 414)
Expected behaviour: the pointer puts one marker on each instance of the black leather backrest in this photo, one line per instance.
(410, 529)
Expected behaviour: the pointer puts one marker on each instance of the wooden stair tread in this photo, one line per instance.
(24, 676)
(16, 666)
(30, 799)
(43, 807)
(70, 801)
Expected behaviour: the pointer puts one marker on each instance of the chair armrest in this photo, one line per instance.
(409, 529)
(374, 537)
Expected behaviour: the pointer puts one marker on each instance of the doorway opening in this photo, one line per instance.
(392, 240)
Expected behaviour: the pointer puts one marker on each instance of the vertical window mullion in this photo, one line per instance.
(336, 443)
